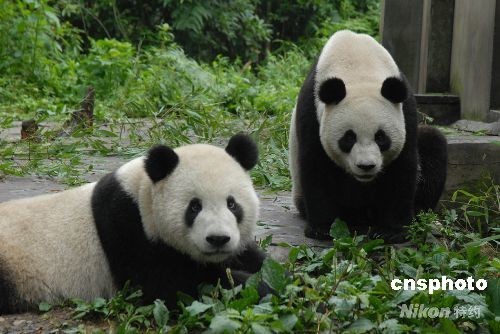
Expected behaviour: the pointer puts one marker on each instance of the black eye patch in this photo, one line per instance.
(192, 211)
(382, 140)
(347, 141)
(235, 208)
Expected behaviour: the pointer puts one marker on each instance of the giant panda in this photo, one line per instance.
(166, 222)
(355, 150)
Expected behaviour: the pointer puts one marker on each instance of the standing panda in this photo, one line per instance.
(167, 222)
(356, 152)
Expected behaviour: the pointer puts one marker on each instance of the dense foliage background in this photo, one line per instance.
(193, 65)
(180, 71)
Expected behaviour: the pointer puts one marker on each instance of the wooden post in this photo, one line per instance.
(495, 70)
(440, 35)
(401, 30)
(471, 56)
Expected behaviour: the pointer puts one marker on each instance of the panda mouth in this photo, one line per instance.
(364, 178)
(217, 252)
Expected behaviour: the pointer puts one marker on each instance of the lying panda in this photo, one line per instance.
(355, 150)
(166, 222)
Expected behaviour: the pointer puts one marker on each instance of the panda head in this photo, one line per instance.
(362, 128)
(202, 201)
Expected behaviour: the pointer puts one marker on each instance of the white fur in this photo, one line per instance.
(209, 174)
(50, 246)
(293, 160)
(363, 64)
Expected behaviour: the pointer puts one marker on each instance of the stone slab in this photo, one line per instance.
(478, 127)
(470, 158)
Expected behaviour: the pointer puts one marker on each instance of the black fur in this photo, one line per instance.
(243, 149)
(160, 162)
(235, 208)
(159, 269)
(9, 301)
(347, 141)
(382, 140)
(384, 205)
(433, 158)
(332, 91)
(194, 208)
(395, 90)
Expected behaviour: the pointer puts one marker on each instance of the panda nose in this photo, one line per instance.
(218, 240)
(366, 168)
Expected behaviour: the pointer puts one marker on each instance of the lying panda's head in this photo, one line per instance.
(201, 200)
(358, 93)
(363, 130)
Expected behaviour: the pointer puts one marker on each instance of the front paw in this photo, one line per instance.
(317, 233)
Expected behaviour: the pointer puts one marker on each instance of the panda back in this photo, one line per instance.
(50, 249)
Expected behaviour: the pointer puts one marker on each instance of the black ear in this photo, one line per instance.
(332, 91)
(243, 149)
(394, 89)
(160, 162)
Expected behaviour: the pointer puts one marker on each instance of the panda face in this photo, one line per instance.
(358, 94)
(362, 135)
(206, 207)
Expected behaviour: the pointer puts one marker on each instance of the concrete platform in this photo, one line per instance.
(470, 158)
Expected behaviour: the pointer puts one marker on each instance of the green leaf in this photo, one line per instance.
(293, 254)
(362, 325)
(105, 133)
(493, 296)
(160, 313)
(289, 321)
(259, 329)
(482, 241)
(403, 296)
(339, 230)
(274, 274)
(44, 307)
(447, 326)
(407, 269)
(222, 324)
(372, 245)
(473, 254)
(249, 295)
(473, 213)
(196, 307)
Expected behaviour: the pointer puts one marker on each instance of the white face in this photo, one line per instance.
(207, 208)
(362, 135)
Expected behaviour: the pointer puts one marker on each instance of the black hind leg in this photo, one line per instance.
(433, 161)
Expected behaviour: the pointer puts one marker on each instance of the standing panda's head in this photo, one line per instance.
(359, 94)
(201, 201)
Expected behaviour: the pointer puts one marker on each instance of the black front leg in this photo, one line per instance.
(321, 209)
(393, 220)
(250, 260)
